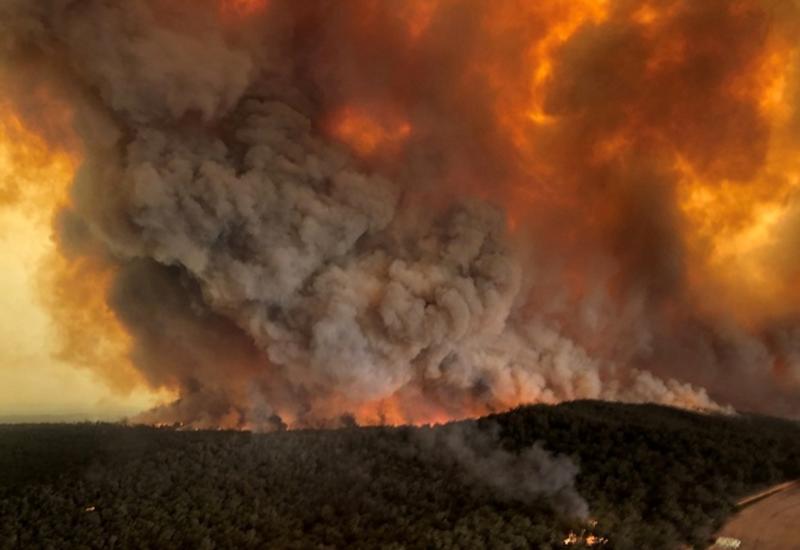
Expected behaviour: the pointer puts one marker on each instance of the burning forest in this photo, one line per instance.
(307, 213)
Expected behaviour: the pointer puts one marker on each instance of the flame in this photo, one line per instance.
(398, 410)
(586, 537)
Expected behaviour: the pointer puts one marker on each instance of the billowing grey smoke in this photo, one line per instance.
(526, 476)
(264, 271)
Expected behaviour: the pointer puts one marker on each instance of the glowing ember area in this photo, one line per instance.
(367, 135)
(297, 213)
(404, 409)
(586, 537)
(727, 542)
(586, 540)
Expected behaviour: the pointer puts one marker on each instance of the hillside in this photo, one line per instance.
(652, 477)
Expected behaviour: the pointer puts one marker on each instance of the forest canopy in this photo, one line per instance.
(633, 476)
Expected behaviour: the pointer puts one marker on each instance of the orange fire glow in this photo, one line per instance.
(403, 408)
(735, 228)
(573, 109)
(243, 8)
(733, 207)
(731, 224)
(35, 176)
(561, 21)
(367, 134)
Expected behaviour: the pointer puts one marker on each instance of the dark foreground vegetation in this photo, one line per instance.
(653, 477)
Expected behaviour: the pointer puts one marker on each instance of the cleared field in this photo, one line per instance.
(772, 523)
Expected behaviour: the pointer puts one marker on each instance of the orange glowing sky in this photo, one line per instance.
(37, 376)
(64, 352)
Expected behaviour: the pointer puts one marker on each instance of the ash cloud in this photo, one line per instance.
(266, 272)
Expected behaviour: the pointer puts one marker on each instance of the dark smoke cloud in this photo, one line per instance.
(262, 270)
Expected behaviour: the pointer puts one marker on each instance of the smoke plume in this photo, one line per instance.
(304, 210)
(525, 477)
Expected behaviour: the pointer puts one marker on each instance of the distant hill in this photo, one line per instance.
(651, 476)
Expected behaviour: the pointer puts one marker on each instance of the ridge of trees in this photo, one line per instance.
(653, 477)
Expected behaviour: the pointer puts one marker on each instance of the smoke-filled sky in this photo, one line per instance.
(272, 212)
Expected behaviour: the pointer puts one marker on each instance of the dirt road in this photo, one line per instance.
(772, 523)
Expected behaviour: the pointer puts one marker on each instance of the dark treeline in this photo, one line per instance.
(653, 477)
